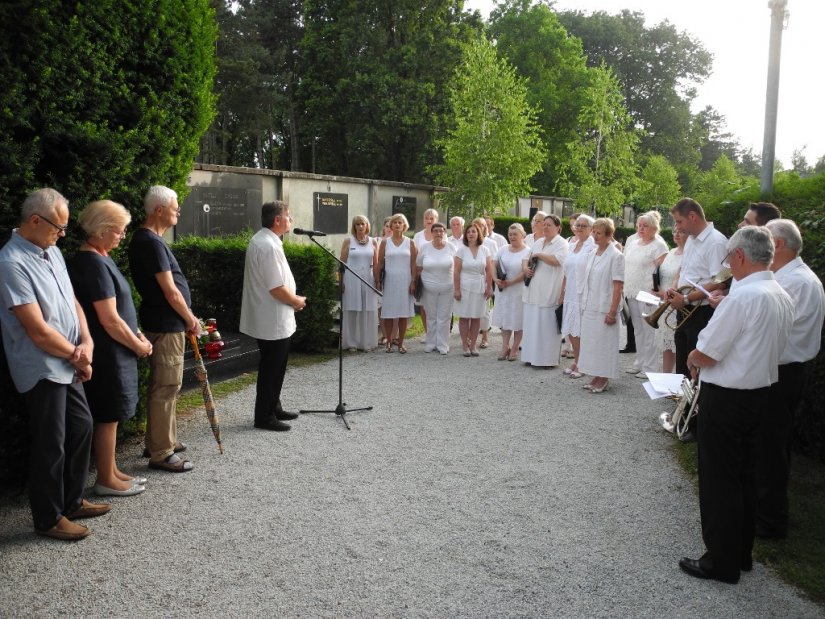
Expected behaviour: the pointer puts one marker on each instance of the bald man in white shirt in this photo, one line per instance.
(737, 354)
(776, 432)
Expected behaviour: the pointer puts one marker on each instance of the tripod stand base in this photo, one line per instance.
(340, 410)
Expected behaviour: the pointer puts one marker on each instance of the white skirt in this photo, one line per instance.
(541, 342)
(471, 305)
(599, 350)
(571, 323)
(359, 330)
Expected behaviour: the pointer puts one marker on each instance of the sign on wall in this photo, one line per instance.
(215, 210)
(329, 212)
(405, 205)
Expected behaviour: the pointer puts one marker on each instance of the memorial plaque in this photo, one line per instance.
(405, 205)
(218, 210)
(330, 212)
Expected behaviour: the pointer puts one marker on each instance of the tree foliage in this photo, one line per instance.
(658, 68)
(599, 172)
(373, 83)
(101, 98)
(658, 184)
(533, 40)
(492, 147)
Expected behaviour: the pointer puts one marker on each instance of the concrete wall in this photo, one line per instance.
(228, 200)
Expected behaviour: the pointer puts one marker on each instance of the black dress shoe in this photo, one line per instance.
(285, 415)
(746, 566)
(272, 424)
(628, 349)
(695, 569)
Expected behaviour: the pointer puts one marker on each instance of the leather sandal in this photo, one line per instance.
(173, 464)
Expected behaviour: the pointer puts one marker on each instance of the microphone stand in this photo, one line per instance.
(341, 410)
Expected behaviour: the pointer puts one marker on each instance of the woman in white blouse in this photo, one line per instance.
(434, 265)
(641, 257)
(508, 312)
(472, 286)
(541, 345)
(571, 297)
(421, 238)
(359, 303)
(601, 286)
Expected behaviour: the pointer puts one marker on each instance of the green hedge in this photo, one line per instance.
(214, 269)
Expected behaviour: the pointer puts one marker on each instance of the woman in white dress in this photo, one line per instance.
(601, 286)
(541, 345)
(396, 260)
(472, 286)
(420, 238)
(572, 313)
(360, 304)
(508, 311)
(434, 265)
(668, 278)
(641, 257)
(386, 232)
(492, 248)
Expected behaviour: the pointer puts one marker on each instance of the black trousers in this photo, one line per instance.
(688, 334)
(730, 420)
(773, 463)
(271, 371)
(60, 427)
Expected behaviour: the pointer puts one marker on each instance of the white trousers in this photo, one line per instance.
(648, 358)
(438, 303)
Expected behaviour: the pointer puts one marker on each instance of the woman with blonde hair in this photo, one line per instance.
(641, 258)
(601, 286)
(420, 238)
(396, 261)
(360, 304)
(508, 312)
(106, 298)
(571, 289)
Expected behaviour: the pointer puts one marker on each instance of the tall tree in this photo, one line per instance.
(658, 68)
(533, 40)
(714, 138)
(492, 148)
(372, 86)
(718, 183)
(599, 172)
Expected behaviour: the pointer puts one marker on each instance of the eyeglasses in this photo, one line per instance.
(54, 225)
(726, 260)
(121, 234)
(582, 226)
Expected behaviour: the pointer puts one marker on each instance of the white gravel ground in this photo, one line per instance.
(474, 488)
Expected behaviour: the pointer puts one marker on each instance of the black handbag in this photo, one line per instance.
(419, 288)
(501, 274)
(559, 315)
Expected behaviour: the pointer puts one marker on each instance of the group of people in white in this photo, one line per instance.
(546, 289)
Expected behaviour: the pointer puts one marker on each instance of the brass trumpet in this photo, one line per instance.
(686, 312)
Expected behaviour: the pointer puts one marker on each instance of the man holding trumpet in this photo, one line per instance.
(704, 251)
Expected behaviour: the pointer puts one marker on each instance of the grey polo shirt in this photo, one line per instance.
(29, 274)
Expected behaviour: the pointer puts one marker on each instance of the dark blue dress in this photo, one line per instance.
(112, 392)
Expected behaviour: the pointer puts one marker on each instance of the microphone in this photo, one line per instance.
(308, 232)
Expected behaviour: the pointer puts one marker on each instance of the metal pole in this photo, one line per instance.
(778, 15)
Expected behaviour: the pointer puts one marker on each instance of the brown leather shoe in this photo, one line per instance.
(89, 510)
(66, 531)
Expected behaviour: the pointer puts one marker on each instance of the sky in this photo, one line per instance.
(737, 33)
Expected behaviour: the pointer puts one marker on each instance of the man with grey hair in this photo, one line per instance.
(49, 349)
(457, 229)
(776, 432)
(165, 316)
(737, 354)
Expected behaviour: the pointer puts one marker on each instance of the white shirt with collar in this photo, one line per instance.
(805, 289)
(262, 315)
(747, 333)
(702, 257)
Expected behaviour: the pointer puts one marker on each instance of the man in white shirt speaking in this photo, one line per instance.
(268, 309)
(738, 356)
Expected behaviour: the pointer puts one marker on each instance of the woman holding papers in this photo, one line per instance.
(641, 257)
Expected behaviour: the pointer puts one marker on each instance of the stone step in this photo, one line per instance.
(239, 354)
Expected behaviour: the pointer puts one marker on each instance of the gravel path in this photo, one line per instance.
(474, 488)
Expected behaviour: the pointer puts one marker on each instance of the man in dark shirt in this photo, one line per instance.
(165, 318)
